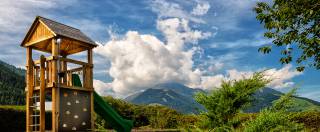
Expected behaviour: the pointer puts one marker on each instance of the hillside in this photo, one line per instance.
(180, 97)
(12, 84)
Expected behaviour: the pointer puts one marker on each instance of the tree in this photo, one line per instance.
(225, 102)
(292, 23)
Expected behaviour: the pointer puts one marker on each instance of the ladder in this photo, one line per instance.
(35, 126)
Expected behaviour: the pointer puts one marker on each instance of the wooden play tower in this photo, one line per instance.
(50, 78)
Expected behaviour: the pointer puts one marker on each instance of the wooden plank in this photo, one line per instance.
(42, 93)
(76, 88)
(75, 61)
(75, 69)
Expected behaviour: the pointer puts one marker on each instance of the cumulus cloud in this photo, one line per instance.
(139, 61)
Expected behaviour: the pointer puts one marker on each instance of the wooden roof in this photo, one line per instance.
(44, 29)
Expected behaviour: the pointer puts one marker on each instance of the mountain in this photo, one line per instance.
(173, 95)
(180, 97)
(265, 97)
(12, 84)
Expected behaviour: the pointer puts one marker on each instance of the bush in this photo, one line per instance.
(272, 121)
(13, 119)
(224, 103)
(276, 117)
(311, 119)
(154, 116)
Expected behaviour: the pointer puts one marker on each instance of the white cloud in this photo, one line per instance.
(280, 78)
(255, 41)
(166, 9)
(141, 61)
(15, 19)
(103, 88)
(201, 9)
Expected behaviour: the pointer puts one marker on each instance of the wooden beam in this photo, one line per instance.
(75, 61)
(42, 93)
(38, 41)
(90, 83)
(90, 72)
(55, 90)
(29, 94)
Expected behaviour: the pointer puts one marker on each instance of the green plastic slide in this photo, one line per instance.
(103, 109)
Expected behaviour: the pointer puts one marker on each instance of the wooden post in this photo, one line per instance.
(55, 89)
(90, 72)
(47, 72)
(29, 94)
(64, 69)
(42, 93)
(90, 84)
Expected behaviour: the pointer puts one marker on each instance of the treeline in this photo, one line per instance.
(147, 116)
(150, 117)
(12, 84)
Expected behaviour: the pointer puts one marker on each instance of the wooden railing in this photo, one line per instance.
(64, 75)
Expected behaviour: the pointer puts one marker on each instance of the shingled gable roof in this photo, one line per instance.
(63, 30)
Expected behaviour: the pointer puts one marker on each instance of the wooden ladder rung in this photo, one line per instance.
(35, 125)
(34, 106)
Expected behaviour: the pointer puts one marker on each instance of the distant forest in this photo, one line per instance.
(12, 84)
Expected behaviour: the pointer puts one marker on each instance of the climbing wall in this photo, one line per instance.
(74, 110)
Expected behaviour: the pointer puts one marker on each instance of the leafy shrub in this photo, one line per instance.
(275, 118)
(269, 120)
(224, 103)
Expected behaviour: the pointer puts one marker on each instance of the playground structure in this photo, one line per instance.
(54, 79)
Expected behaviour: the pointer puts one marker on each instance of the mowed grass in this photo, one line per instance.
(14, 107)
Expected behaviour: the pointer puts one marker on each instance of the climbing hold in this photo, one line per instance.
(65, 94)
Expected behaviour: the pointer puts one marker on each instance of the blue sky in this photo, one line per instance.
(226, 47)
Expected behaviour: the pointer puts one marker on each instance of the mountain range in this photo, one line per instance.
(180, 97)
(173, 95)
